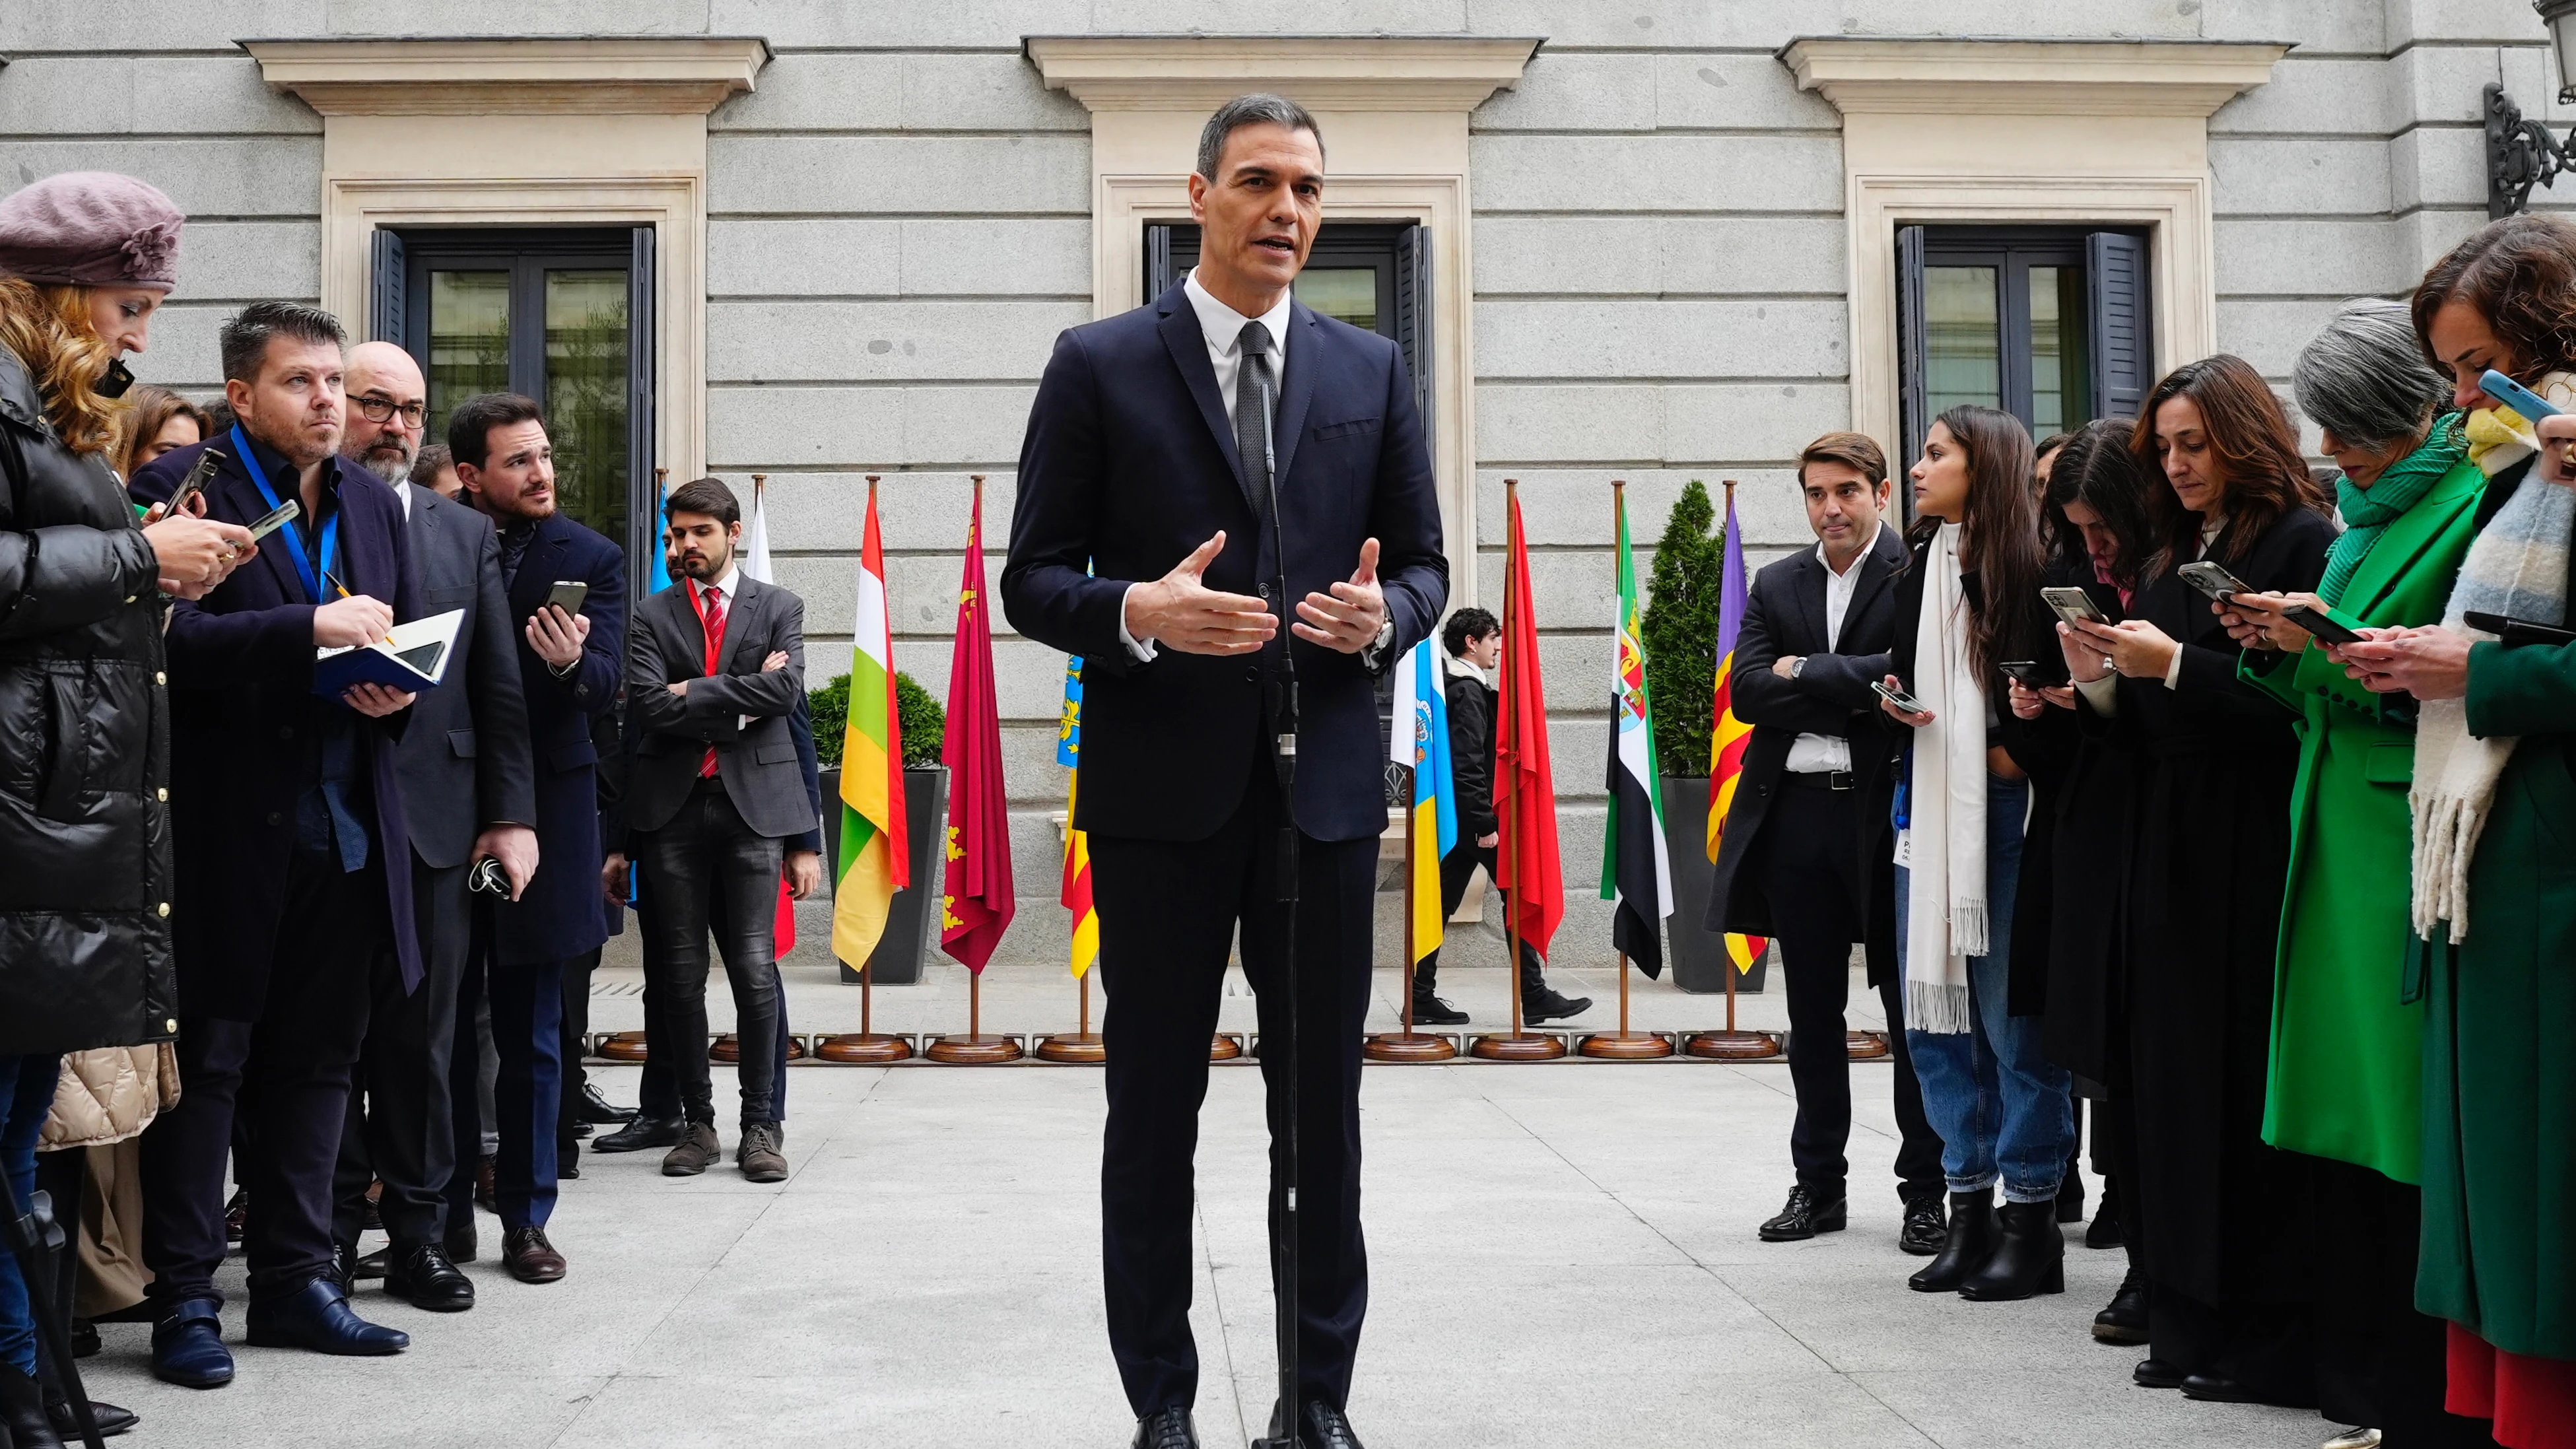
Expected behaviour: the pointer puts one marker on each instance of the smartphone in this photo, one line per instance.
(284, 515)
(2321, 626)
(2212, 580)
(197, 478)
(1897, 697)
(567, 595)
(2518, 631)
(2515, 396)
(2072, 605)
(2029, 673)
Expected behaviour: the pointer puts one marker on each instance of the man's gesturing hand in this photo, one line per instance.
(1179, 612)
(1347, 619)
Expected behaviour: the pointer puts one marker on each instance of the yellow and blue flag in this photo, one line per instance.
(1419, 742)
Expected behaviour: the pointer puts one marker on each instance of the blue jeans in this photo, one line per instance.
(27, 1083)
(1998, 1102)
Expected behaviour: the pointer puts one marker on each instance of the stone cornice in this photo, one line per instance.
(1952, 76)
(1322, 73)
(570, 75)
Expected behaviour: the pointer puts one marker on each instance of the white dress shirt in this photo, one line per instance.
(1818, 754)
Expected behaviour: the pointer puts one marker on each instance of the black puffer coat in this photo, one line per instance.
(84, 750)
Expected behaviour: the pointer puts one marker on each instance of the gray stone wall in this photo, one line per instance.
(899, 227)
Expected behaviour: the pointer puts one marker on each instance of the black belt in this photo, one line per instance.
(1818, 779)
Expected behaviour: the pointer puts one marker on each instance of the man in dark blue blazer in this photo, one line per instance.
(569, 663)
(293, 855)
(1143, 541)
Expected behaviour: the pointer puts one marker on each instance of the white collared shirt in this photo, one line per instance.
(1818, 754)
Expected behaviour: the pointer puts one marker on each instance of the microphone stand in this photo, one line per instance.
(1286, 1432)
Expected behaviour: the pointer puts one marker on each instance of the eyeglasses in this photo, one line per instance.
(375, 407)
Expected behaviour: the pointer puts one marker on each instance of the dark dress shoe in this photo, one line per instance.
(583, 1129)
(1430, 1010)
(1926, 1228)
(596, 1110)
(2125, 1321)
(110, 1419)
(1324, 1427)
(22, 1409)
(640, 1134)
(2155, 1373)
(2105, 1229)
(188, 1346)
(236, 1213)
(1551, 1005)
(567, 1166)
(317, 1317)
(425, 1278)
(1166, 1429)
(758, 1155)
(1807, 1214)
(487, 1185)
(461, 1242)
(371, 1265)
(529, 1257)
(2029, 1257)
(2217, 1389)
(2070, 1200)
(695, 1151)
(1965, 1244)
(344, 1265)
(84, 1338)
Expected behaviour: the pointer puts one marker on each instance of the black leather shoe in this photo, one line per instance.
(2029, 1257)
(1551, 1005)
(640, 1134)
(1166, 1429)
(2217, 1389)
(22, 1408)
(1324, 1427)
(461, 1242)
(370, 1265)
(84, 1338)
(2105, 1230)
(2125, 1321)
(110, 1419)
(421, 1274)
(2155, 1373)
(188, 1346)
(1926, 1228)
(1430, 1010)
(1807, 1215)
(2070, 1199)
(599, 1111)
(344, 1265)
(317, 1317)
(1965, 1245)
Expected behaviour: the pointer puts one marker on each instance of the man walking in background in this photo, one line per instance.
(1474, 642)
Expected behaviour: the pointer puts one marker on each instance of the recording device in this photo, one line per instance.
(2511, 631)
(2213, 581)
(1897, 697)
(567, 595)
(488, 877)
(2073, 605)
(2515, 396)
(2315, 622)
(285, 514)
(198, 476)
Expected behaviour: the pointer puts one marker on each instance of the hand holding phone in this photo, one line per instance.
(2316, 622)
(2514, 395)
(1905, 707)
(2213, 581)
(567, 595)
(2072, 604)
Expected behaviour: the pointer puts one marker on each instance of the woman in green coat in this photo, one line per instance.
(2345, 1079)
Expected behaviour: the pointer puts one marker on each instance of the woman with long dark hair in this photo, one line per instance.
(2207, 1207)
(1969, 600)
(156, 421)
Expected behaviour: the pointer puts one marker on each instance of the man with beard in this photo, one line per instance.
(469, 793)
(568, 670)
(712, 794)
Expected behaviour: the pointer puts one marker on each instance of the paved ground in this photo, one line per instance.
(1561, 1254)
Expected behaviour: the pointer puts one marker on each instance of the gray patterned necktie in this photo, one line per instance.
(1256, 398)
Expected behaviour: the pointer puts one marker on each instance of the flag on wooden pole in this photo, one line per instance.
(875, 858)
(1635, 870)
(1729, 735)
(1076, 892)
(977, 901)
(1524, 781)
(1419, 741)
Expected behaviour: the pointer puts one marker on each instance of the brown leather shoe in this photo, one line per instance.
(759, 1157)
(697, 1151)
(486, 1186)
(529, 1257)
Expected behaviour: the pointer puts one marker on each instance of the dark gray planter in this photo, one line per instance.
(1699, 958)
(906, 943)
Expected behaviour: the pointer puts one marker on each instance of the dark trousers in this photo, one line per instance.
(705, 854)
(1456, 869)
(525, 1000)
(1809, 855)
(401, 1127)
(574, 1041)
(2379, 1362)
(657, 1091)
(286, 1077)
(1169, 911)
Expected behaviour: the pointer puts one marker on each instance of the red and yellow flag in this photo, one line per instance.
(976, 906)
(1076, 892)
(876, 859)
(1731, 735)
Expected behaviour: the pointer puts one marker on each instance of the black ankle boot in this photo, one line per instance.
(2030, 1256)
(22, 1409)
(1970, 1242)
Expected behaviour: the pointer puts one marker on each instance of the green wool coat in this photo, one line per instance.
(2346, 1067)
(2499, 1246)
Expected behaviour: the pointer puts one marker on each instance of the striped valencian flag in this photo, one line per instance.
(1731, 735)
(1076, 893)
(1636, 871)
(875, 857)
(1419, 741)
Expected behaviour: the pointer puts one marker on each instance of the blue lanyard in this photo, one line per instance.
(295, 528)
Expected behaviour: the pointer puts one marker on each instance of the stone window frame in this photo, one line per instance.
(581, 131)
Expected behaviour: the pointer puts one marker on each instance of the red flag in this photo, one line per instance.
(978, 904)
(1524, 784)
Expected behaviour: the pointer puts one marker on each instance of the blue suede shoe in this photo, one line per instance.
(188, 1346)
(317, 1317)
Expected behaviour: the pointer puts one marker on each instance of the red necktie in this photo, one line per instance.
(712, 613)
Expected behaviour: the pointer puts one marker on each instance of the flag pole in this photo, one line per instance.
(1624, 1045)
(1520, 1046)
(975, 1049)
(1405, 1046)
(1731, 1044)
(865, 1047)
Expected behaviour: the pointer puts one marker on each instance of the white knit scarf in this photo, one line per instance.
(1946, 837)
(2517, 567)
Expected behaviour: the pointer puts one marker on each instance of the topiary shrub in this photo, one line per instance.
(1680, 628)
(924, 722)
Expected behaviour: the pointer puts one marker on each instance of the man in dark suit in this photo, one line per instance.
(293, 856)
(468, 792)
(568, 670)
(1805, 855)
(712, 794)
(1144, 541)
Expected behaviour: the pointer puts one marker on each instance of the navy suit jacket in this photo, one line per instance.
(561, 914)
(241, 681)
(464, 758)
(1129, 463)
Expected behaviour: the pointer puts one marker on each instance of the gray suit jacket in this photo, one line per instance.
(757, 762)
(464, 762)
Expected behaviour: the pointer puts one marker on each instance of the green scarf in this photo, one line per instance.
(2367, 512)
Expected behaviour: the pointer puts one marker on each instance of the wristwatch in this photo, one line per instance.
(1798, 668)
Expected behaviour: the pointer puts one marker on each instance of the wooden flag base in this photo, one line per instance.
(1731, 1046)
(1517, 1047)
(728, 1049)
(624, 1046)
(972, 1050)
(862, 1049)
(1407, 1046)
(1224, 1048)
(1074, 1048)
(1866, 1046)
(1624, 1046)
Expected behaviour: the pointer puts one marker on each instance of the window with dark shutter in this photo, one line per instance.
(2048, 323)
(385, 305)
(2123, 362)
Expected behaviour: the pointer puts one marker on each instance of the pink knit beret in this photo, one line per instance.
(92, 229)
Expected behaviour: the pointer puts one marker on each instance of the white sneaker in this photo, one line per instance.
(2355, 1439)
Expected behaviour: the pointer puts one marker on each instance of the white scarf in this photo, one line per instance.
(1945, 844)
(2517, 567)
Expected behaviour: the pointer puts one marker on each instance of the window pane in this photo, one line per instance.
(1962, 339)
(1346, 293)
(585, 397)
(2061, 385)
(469, 340)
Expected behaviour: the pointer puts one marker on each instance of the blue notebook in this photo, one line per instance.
(411, 659)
